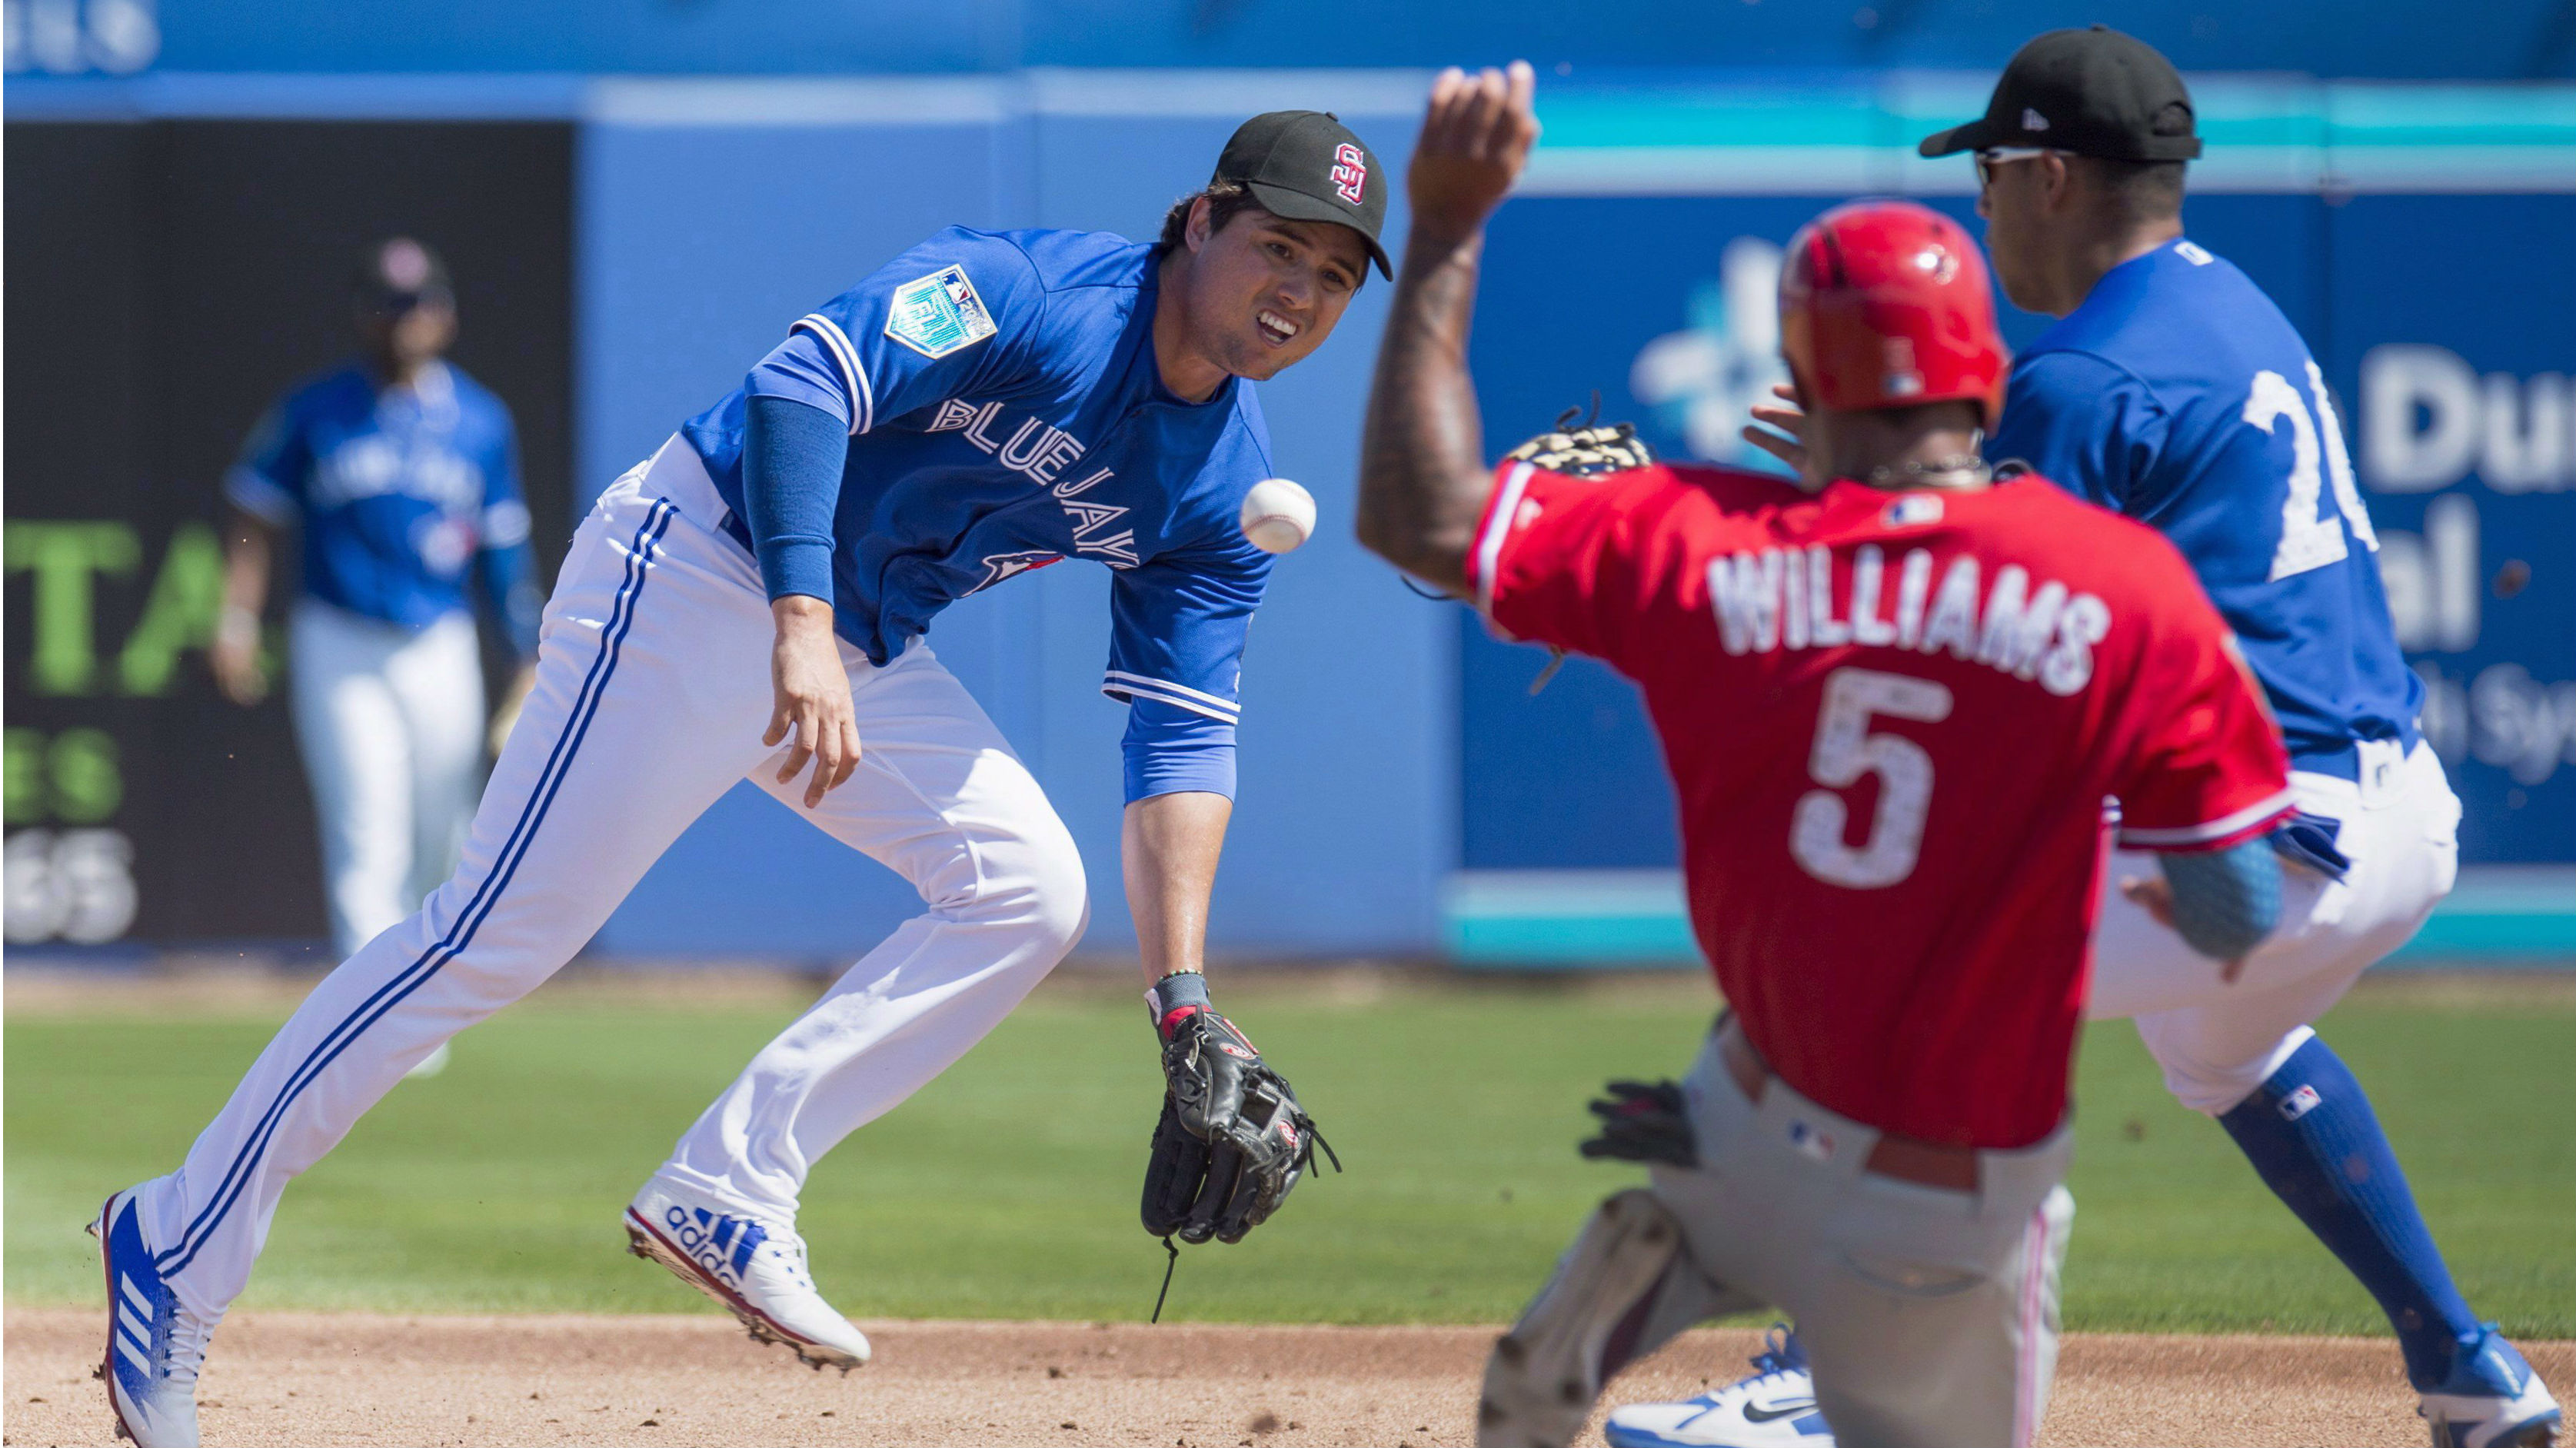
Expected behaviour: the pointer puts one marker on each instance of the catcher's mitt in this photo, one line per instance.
(1232, 1141)
(1585, 451)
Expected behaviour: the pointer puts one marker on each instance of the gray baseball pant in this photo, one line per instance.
(1929, 1316)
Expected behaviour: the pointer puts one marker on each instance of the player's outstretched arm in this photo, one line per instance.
(1233, 1140)
(1422, 470)
(1168, 848)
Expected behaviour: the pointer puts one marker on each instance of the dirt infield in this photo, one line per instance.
(294, 1378)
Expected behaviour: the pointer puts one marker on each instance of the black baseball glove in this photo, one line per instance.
(1644, 1121)
(1232, 1140)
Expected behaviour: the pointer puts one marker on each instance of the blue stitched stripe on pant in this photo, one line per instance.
(523, 833)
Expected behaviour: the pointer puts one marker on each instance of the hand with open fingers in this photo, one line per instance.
(812, 693)
(1476, 136)
(1789, 443)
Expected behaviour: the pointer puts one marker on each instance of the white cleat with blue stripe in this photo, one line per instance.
(755, 1270)
(154, 1344)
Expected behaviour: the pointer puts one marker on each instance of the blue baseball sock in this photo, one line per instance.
(2315, 1141)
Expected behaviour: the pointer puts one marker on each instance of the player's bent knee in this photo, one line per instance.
(2211, 1082)
(1032, 882)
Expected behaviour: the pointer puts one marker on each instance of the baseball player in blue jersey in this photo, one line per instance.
(750, 602)
(401, 476)
(2172, 390)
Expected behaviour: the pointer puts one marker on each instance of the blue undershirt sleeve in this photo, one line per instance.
(792, 457)
(1170, 750)
(2225, 901)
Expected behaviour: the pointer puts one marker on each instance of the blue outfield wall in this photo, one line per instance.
(2415, 235)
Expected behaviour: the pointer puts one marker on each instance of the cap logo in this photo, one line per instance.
(2032, 120)
(1350, 173)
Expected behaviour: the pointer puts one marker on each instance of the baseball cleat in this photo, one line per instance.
(155, 1345)
(2492, 1400)
(755, 1270)
(1583, 1326)
(1774, 1408)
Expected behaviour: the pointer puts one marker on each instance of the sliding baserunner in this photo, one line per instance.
(750, 602)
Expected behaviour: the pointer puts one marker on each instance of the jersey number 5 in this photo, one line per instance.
(2308, 539)
(1844, 751)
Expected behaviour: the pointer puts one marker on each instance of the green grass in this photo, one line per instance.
(1008, 1188)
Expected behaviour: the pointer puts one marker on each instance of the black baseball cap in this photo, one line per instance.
(1308, 166)
(2093, 92)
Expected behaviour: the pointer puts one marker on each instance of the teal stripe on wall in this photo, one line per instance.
(1574, 919)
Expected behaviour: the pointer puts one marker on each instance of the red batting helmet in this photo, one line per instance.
(1886, 304)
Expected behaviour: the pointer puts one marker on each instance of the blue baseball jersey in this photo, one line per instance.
(2179, 395)
(1005, 412)
(397, 492)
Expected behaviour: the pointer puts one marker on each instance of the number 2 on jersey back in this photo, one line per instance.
(1845, 749)
(2310, 539)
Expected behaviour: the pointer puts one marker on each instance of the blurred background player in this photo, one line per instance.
(751, 602)
(400, 476)
(2174, 391)
(1891, 695)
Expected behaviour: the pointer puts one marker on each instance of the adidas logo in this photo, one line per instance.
(721, 1244)
(134, 1325)
(2032, 120)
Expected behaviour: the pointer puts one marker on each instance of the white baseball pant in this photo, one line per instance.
(652, 692)
(390, 722)
(2215, 1041)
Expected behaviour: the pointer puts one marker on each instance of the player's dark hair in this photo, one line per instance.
(2146, 190)
(1226, 200)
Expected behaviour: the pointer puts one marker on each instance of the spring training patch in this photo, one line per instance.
(938, 314)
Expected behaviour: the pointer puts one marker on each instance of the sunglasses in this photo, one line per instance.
(1993, 156)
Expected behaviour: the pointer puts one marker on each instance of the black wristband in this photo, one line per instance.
(1181, 991)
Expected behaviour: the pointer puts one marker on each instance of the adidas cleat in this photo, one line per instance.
(1774, 1408)
(155, 1345)
(2492, 1400)
(755, 1270)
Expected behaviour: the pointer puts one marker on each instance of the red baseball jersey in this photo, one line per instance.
(1892, 720)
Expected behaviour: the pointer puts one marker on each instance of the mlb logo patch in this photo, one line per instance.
(1810, 1142)
(1913, 509)
(938, 314)
(2299, 1103)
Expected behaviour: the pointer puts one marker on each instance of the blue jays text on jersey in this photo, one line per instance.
(2179, 395)
(397, 492)
(1005, 410)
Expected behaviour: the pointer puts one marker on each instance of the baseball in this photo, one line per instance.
(1278, 515)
